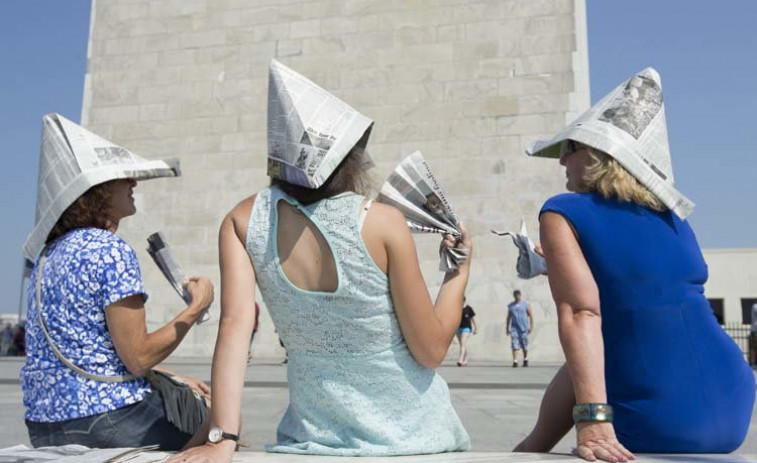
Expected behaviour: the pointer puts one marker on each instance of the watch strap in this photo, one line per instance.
(233, 437)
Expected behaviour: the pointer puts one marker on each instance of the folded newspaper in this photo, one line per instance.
(628, 124)
(72, 159)
(158, 249)
(310, 131)
(413, 189)
(529, 264)
(73, 453)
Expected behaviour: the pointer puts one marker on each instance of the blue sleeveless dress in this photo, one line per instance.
(675, 379)
(354, 387)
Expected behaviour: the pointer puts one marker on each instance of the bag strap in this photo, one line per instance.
(365, 204)
(64, 360)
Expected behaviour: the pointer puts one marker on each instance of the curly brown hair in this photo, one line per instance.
(89, 210)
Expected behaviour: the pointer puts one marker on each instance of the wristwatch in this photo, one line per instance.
(217, 434)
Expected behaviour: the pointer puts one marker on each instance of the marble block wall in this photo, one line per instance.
(469, 83)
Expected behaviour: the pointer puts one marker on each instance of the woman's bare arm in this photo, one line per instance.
(580, 329)
(428, 328)
(234, 331)
(577, 298)
(139, 350)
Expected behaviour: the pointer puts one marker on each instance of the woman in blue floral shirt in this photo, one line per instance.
(92, 301)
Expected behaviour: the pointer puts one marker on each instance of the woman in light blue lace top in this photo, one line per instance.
(341, 279)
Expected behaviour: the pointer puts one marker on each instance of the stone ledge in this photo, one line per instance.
(79, 453)
(482, 457)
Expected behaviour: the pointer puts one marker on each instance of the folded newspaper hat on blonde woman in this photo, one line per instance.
(72, 160)
(629, 125)
(310, 131)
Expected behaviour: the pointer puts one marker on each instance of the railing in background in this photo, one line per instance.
(740, 334)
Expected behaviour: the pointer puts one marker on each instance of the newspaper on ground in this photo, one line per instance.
(310, 131)
(413, 189)
(164, 258)
(72, 160)
(529, 264)
(80, 454)
(629, 125)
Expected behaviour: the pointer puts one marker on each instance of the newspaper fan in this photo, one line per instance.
(166, 262)
(413, 189)
(529, 264)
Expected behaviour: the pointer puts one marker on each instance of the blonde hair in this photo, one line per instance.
(606, 176)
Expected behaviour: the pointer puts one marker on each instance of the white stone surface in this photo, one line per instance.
(79, 453)
(468, 84)
(497, 404)
(483, 457)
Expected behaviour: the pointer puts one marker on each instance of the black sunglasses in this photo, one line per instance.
(571, 147)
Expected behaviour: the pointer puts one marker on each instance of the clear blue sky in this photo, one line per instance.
(705, 51)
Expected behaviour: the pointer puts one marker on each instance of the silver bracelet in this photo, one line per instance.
(592, 413)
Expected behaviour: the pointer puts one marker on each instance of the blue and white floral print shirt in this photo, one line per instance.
(86, 270)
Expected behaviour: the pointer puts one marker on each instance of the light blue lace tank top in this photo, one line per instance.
(354, 387)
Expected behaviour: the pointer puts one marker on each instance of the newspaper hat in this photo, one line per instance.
(629, 125)
(72, 160)
(310, 131)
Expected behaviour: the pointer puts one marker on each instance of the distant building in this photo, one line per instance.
(6, 318)
(732, 286)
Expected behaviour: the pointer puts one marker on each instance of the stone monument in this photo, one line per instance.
(470, 84)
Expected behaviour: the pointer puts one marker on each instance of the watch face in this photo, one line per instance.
(215, 435)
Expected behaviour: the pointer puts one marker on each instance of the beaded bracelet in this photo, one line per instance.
(592, 413)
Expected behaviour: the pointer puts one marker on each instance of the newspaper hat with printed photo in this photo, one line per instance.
(72, 160)
(310, 131)
(628, 124)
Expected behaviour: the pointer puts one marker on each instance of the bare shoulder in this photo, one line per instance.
(243, 208)
(385, 219)
(386, 213)
(553, 226)
(238, 217)
(551, 218)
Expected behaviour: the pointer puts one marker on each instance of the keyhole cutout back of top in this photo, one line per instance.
(305, 256)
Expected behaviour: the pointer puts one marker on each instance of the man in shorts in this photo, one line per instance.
(519, 324)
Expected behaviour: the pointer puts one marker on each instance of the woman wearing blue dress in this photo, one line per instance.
(649, 369)
(341, 279)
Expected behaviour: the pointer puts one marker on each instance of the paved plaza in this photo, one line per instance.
(497, 404)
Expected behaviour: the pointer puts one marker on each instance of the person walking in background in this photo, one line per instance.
(519, 324)
(286, 354)
(18, 343)
(467, 327)
(254, 330)
(6, 339)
